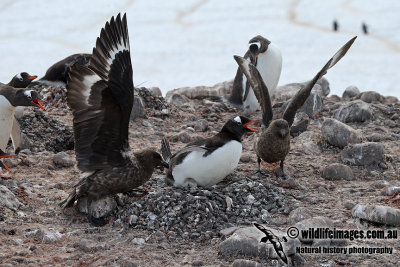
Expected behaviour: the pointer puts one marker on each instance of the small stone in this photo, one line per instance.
(138, 241)
(133, 219)
(337, 171)
(201, 125)
(349, 204)
(350, 92)
(99, 208)
(246, 263)
(62, 159)
(245, 158)
(366, 154)
(378, 214)
(8, 199)
(299, 214)
(47, 236)
(338, 133)
(371, 96)
(300, 124)
(354, 111)
(182, 136)
(391, 190)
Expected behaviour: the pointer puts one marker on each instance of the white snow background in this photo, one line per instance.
(192, 42)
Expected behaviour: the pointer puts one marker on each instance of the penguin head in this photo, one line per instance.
(257, 45)
(27, 98)
(279, 128)
(238, 126)
(22, 80)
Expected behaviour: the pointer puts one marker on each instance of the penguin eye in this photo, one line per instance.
(254, 47)
(20, 78)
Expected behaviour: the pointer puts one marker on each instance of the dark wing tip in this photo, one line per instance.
(302, 95)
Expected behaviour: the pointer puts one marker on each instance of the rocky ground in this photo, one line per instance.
(343, 172)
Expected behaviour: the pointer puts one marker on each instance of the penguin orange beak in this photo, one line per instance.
(32, 77)
(4, 165)
(246, 125)
(37, 103)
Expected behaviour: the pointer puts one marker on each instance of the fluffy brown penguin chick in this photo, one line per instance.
(273, 142)
(101, 98)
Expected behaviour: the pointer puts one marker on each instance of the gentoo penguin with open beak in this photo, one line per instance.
(22, 80)
(2, 156)
(268, 60)
(10, 98)
(57, 74)
(101, 98)
(208, 161)
(273, 142)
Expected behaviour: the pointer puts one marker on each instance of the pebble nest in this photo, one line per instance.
(201, 213)
(46, 133)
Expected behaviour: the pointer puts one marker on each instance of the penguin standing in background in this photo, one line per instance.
(335, 26)
(268, 60)
(364, 28)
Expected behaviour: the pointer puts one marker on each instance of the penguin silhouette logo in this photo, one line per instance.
(275, 241)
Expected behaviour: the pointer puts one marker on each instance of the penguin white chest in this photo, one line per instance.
(269, 64)
(6, 121)
(208, 170)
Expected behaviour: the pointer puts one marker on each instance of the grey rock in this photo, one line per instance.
(246, 263)
(311, 107)
(350, 92)
(177, 100)
(391, 100)
(138, 109)
(198, 92)
(391, 190)
(99, 208)
(300, 124)
(8, 199)
(337, 171)
(378, 214)
(201, 125)
(366, 154)
(245, 242)
(62, 159)
(349, 204)
(307, 142)
(133, 219)
(354, 111)
(155, 91)
(288, 91)
(228, 231)
(182, 136)
(324, 84)
(371, 96)
(338, 133)
(46, 236)
(299, 214)
(314, 222)
(245, 158)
